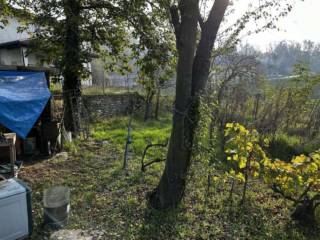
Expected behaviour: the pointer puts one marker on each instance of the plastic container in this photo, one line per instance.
(56, 203)
(15, 210)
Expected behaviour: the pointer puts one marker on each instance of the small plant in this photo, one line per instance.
(71, 147)
(299, 182)
(244, 154)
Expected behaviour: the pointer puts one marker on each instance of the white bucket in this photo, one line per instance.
(56, 203)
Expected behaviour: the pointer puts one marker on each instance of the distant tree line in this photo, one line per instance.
(280, 58)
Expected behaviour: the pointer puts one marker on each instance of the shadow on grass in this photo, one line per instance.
(255, 220)
(240, 221)
(159, 225)
(294, 229)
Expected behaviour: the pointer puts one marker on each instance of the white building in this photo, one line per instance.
(14, 45)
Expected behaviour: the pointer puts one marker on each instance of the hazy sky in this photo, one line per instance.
(301, 24)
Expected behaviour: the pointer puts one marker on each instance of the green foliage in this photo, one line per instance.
(297, 181)
(284, 147)
(71, 146)
(244, 154)
(311, 146)
(207, 143)
(56, 88)
(5, 11)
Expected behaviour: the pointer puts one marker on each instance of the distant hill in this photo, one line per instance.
(280, 58)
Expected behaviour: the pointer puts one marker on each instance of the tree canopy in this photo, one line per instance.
(4, 12)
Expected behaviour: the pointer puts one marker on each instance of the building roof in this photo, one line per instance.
(51, 70)
(15, 44)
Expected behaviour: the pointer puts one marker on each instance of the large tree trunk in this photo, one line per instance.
(192, 75)
(171, 187)
(72, 67)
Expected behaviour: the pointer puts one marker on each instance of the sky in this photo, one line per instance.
(301, 24)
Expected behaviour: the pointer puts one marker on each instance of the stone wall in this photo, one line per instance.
(102, 106)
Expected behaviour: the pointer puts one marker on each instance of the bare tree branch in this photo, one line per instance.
(209, 33)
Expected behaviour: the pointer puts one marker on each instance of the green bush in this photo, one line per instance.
(311, 146)
(284, 147)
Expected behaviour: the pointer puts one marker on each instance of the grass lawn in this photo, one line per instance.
(104, 197)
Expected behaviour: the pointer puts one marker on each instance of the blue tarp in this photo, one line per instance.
(23, 96)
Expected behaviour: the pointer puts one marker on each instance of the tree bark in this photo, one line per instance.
(172, 183)
(201, 66)
(192, 75)
(72, 66)
(156, 111)
(148, 102)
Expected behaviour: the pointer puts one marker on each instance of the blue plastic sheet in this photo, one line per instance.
(23, 96)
